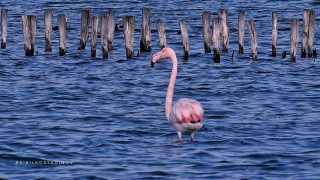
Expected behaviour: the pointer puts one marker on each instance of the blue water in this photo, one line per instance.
(81, 117)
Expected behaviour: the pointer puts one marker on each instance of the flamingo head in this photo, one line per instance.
(164, 53)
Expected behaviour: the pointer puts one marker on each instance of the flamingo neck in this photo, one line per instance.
(170, 90)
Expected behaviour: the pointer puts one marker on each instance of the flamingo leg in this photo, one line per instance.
(179, 135)
(191, 136)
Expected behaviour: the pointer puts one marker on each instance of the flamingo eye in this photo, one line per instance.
(199, 120)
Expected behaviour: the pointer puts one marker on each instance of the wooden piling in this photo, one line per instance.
(111, 27)
(62, 26)
(223, 14)
(312, 24)
(4, 17)
(29, 24)
(26, 33)
(104, 37)
(216, 39)
(107, 28)
(128, 30)
(294, 38)
(145, 33)
(94, 34)
(185, 38)
(305, 32)
(85, 22)
(274, 33)
(241, 31)
(48, 30)
(33, 30)
(253, 36)
(206, 31)
(161, 33)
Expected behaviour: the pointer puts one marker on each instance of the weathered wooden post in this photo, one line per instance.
(305, 32)
(241, 31)
(33, 30)
(94, 34)
(274, 33)
(206, 31)
(85, 22)
(161, 33)
(185, 38)
(62, 26)
(294, 38)
(29, 24)
(253, 36)
(107, 32)
(128, 30)
(4, 17)
(223, 14)
(145, 33)
(26, 34)
(216, 39)
(111, 27)
(312, 24)
(48, 30)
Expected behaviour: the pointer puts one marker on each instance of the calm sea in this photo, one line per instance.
(80, 117)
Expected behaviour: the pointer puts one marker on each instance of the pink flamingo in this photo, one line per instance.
(186, 114)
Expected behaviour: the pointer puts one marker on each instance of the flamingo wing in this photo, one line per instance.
(186, 110)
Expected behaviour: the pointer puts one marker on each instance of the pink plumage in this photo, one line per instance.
(186, 110)
(185, 115)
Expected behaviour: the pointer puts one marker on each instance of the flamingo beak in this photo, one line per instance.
(152, 63)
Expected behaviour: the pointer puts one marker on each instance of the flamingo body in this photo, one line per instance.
(185, 115)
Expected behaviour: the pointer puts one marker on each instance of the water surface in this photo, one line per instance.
(105, 118)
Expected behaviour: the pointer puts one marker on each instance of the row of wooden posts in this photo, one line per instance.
(220, 30)
(107, 29)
